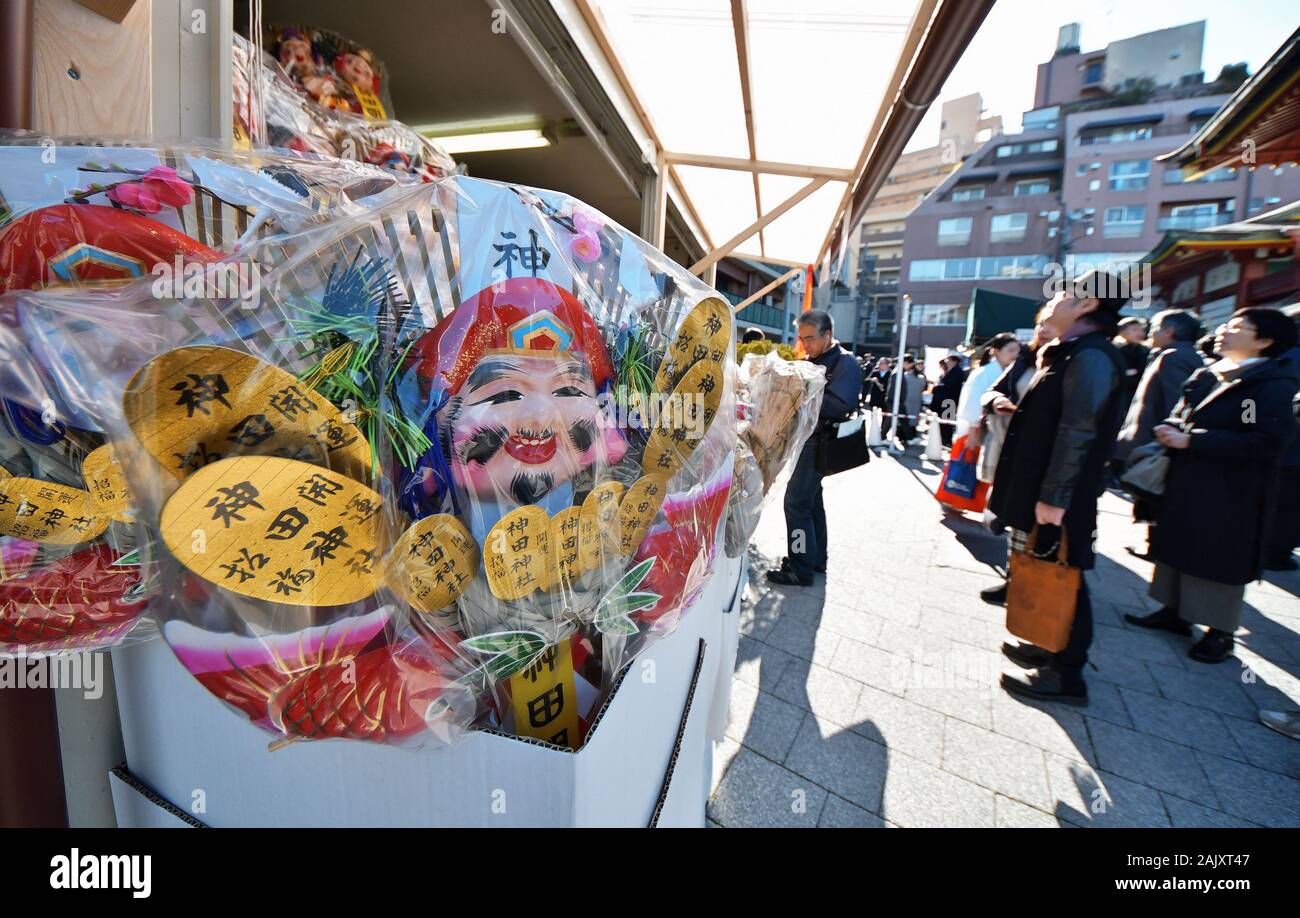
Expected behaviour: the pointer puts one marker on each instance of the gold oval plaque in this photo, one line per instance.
(197, 405)
(278, 530)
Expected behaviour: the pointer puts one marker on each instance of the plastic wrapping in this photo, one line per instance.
(69, 574)
(85, 212)
(82, 214)
(331, 70)
(779, 403)
(312, 109)
(454, 463)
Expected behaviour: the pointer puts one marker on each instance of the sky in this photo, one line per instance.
(1018, 35)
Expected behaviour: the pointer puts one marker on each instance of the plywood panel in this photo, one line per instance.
(115, 10)
(110, 92)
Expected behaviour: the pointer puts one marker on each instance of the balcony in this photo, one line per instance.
(1193, 221)
(1152, 131)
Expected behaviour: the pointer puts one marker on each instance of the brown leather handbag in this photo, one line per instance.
(1041, 595)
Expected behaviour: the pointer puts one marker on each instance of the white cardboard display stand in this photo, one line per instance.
(648, 761)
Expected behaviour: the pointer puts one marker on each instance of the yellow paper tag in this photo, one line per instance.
(43, 511)
(694, 406)
(703, 335)
(106, 483)
(598, 526)
(563, 569)
(515, 553)
(545, 699)
(196, 405)
(639, 508)
(433, 562)
(371, 107)
(278, 530)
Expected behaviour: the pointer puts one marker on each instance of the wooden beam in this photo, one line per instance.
(740, 26)
(723, 250)
(766, 167)
(770, 260)
(661, 206)
(766, 290)
(597, 26)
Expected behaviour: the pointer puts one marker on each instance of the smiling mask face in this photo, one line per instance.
(520, 426)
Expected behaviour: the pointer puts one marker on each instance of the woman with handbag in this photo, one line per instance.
(1000, 353)
(1225, 440)
(1000, 401)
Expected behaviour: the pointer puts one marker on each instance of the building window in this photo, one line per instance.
(1121, 134)
(1175, 176)
(1019, 149)
(1041, 119)
(968, 193)
(992, 267)
(1093, 73)
(1031, 186)
(1123, 222)
(1129, 174)
(1197, 216)
(954, 231)
(1258, 204)
(1112, 262)
(930, 314)
(1008, 227)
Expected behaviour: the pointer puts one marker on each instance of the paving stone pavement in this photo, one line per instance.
(871, 699)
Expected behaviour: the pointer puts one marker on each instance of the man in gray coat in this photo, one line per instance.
(1174, 333)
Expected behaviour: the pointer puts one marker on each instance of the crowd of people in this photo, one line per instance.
(1209, 424)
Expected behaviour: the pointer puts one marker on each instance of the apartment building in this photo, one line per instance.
(739, 278)
(1079, 186)
(865, 296)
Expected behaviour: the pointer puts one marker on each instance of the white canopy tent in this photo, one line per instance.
(773, 122)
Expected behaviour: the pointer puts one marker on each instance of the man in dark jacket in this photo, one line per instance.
(1054, 462)
(805, 514)
(1174, 334)
(876, 384)
(909, 403)
(1133, 351)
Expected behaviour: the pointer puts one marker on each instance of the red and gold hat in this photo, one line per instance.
(88, 245)
(523, 316)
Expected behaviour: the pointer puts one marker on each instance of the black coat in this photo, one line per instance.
(1059, 440)
(875, 386)
(1135, 357)
(843, 384)
(1291, 458)
(1158, 391)
(947, 392)
(1220, 492)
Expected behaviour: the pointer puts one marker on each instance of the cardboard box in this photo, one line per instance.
(647, 761)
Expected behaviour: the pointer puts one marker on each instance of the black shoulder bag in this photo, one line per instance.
(841, 446)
